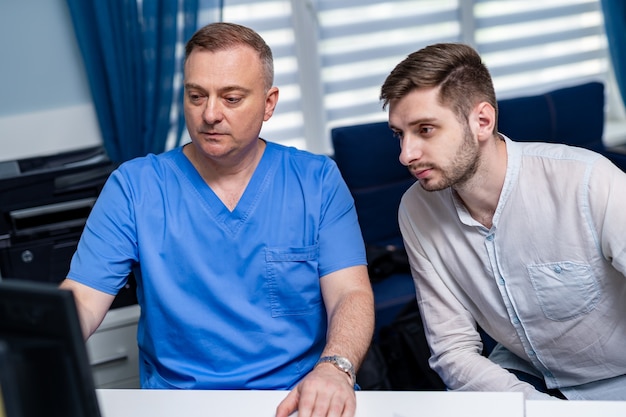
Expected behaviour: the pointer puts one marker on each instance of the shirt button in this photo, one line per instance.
(558, 269)
(515, 320)
(501, 281)
(531, 353)
(490, 238)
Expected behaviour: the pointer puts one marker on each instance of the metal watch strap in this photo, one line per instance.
(341, 363)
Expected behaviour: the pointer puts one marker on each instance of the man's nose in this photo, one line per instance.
(410, 151)
(212, 112)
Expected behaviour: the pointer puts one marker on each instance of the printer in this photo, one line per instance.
(44, 204)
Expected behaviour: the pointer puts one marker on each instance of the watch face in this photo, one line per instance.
(343, 363)
(340, 363)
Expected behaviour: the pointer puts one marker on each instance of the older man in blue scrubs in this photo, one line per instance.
(248, 256)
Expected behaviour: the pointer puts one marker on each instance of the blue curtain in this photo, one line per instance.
(615, 23)
(211, 11)
(128, 48)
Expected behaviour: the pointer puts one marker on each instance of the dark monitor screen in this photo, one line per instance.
(48, 373)
(8, 402)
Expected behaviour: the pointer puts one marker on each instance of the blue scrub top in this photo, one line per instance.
(229, 300)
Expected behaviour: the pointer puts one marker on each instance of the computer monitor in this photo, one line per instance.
(48, 372)
(9, 405)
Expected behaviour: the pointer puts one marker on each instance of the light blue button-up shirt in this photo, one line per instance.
(547, 280)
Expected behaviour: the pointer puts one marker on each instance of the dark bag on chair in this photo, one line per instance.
(373, 374)
(383, 261)
(404, 345)
(398, 360)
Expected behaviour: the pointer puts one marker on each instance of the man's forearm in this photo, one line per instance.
(350, 327)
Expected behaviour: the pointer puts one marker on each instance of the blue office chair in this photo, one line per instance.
(367, 156)
(571, 115)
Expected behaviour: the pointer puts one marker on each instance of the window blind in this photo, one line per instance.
(362, 41)
(331, 56)
(272, 19)
(534, 46)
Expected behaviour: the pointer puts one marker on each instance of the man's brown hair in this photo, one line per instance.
(456, 69)
(221, 35)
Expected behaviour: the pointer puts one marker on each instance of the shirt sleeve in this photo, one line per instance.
(98, 263)
(456, 346)
(607, 199)
(340, 238)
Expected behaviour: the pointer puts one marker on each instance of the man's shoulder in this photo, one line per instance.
(556, 151)
(299, 158)
(417, 198)
(150, 162)
(293, 152)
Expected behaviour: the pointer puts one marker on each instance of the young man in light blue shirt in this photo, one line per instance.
(526, 240)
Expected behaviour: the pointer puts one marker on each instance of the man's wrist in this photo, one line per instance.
(341, 363)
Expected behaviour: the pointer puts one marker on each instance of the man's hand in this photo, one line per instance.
(325, 392)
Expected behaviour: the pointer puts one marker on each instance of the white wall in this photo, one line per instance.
(45, 103)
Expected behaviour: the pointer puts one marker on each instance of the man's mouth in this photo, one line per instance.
(421, 173)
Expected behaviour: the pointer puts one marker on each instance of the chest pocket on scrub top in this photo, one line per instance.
(293, 280)
(565, 290)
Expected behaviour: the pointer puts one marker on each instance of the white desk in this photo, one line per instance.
(166, 403)
(575, 408)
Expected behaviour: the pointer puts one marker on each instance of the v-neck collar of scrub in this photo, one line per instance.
(233, 220)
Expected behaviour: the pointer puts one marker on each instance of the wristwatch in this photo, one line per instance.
(341, 363)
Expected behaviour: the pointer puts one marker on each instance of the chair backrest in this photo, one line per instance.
(367, 156)
(571, 115)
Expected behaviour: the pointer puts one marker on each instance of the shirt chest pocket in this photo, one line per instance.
(293, 280)
(565, 290)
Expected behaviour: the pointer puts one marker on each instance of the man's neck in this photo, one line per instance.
(481, 193)
(227, 178)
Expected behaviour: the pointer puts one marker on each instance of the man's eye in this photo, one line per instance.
(194, 97)
(426, 130)
(398, 135)
(233, 100)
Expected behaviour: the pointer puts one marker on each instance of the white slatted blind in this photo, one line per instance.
(530, 46)
(272, 19)
(362, 40)
(534, 46)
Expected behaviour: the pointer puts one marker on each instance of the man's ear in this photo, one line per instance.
(271, 98)
(485, 116)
